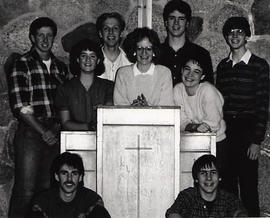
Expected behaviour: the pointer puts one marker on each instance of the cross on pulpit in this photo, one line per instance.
(138, 148)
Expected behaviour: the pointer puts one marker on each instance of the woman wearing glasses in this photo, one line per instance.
(143, 83)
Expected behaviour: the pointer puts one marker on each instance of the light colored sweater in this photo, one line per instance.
(205, 106)
(157, 88)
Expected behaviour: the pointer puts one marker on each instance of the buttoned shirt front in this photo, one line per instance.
(32, 85)
(112, 67)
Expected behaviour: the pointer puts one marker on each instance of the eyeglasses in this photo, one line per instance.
(147, 49)
(238, 32)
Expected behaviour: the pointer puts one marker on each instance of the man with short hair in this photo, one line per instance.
(177, 47)
(243, 80)
(33, 82)
(205, 199)
(68, 198)
(110, 27)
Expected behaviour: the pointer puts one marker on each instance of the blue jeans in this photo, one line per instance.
(33, 158)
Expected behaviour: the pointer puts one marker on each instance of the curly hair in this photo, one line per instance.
(83, 45)
(130, 43)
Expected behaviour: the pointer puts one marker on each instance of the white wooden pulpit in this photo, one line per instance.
(138, 160)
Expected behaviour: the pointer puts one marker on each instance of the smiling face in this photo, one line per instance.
(88, 61)
(68, 178)
(208, 180)
(43, 40)
(144, 53)
(111, 32)
(192, 74)
(176, 24)
(236, 39)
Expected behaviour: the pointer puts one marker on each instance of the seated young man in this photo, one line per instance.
(67, 198)
(205, 199)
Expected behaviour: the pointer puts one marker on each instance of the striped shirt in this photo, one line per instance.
(245, 88)
(32, 85)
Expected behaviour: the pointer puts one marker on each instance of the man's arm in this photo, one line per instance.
(174, 215)
(47, 135)
(261, 107)
(68, 124)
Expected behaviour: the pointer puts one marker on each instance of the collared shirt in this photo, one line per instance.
(32, 85)
(190, 204)
(81, 103)
(174, 60)
(245, 88)
(112, 67)
(137, 72)
(245, 58)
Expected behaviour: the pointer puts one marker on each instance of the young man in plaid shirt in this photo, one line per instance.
(205, 199)
(33, 82)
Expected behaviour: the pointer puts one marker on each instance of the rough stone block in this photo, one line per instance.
(87, 30)
(261, 13)
(11, 9)
(217, 21)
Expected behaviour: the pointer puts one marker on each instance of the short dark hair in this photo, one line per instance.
(103, 17)
(199, 58)
(236, 23)
(130, 43)
(42, 22)
(177, 5)
(85, 44)
(70, 159)
(207, 160)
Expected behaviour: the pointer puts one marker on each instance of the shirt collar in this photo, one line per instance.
(245, 58)
(117, 59)
(150, 71)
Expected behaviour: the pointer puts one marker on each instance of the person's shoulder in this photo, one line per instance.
(45, 196)
(163, 70)
(197, 47)
(179, 86)
(125, 71)
(104, 82)
(190, 192)
(256, 59)
(89, 194)
(227, 196)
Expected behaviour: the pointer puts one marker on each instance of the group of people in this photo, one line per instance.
(143, 72)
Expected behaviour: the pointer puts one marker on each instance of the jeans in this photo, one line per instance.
(33, 158)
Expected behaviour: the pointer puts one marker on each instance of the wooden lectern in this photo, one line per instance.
(138, 160)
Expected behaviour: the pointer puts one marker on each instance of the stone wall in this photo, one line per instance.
(75, 20)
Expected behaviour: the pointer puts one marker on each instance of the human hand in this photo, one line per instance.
(253, 151)
(203, 127)
(142, 100)
(49, 137)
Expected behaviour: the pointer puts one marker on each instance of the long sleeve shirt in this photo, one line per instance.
(31, 84)
(205, 106)
(157, 88)
(245, 88)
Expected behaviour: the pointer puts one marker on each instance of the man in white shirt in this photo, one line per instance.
(110, 28)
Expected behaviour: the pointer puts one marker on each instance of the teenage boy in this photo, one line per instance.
(177, 47)
(33, 82)
(243, 80)
(205, 199)
(110, 27)
(68, 198)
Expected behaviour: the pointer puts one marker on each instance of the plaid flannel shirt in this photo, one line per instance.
(190, 204)
(32, 85)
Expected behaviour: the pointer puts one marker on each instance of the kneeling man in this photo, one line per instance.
(68, 199)
(205, 199)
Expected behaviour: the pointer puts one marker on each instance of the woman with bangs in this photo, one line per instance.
(77, 100)
(143, 83)
(201, 105)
